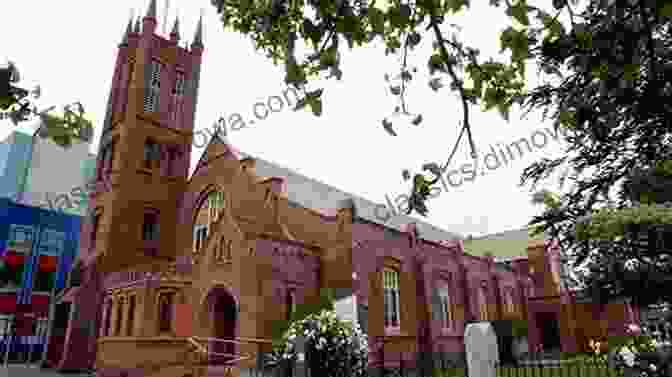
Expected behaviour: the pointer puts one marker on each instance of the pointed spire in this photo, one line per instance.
(129, 30)
(198, 38)
(151, 10)
(137, 26)
(175, 34)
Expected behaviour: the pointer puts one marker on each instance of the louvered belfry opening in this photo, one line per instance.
(154, 88)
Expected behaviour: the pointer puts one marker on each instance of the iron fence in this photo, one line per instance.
(579, 367)
(440, 365)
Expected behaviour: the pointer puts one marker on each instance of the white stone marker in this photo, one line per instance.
(480, 344)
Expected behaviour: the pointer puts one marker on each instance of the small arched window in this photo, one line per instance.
(290, 303)
(391, 297)
(166, 311)
(446, 309)
(150, 227)
(482, 302)
(119, 312)
(131, 316)
(215, 205)
(152, 154)
(508, 299)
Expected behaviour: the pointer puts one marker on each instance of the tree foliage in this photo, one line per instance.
(614, 219)
(308, 37)
(16, 105)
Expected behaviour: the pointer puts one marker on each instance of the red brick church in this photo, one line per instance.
(169, 260)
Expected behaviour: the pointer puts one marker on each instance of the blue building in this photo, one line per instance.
(42, 198)
(38, 247)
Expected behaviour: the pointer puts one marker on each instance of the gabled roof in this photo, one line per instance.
(310, 193)
(216, 147)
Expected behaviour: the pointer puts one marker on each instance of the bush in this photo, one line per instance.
(334, 348)
(641, 354)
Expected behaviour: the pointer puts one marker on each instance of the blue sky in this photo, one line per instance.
(69, 48)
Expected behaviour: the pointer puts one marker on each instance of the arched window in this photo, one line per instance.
(391, 297)
(223, 252)
(150, 227)
(178, 94)
(482, 302)
(117, 322)
(290, 303)
(215, 205)
(200, 235)
(131, 316)
(446, 309)
(152, 154)
(166, 311)
(153, 91)
(508, 299)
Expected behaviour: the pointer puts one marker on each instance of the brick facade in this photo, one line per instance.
(259, 247)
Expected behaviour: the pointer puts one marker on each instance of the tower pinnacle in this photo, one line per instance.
(129, 30)
(175, 34)
(198, 37)
(151, 10)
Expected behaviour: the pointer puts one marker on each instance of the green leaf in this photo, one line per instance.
(551, 25)
(294, 74)
(311, 32)
(665, 10)
(435, 64)
(316, 106)
(519, 13)
(377, 20)
(566, 119)
(456, 5)
(504, 109)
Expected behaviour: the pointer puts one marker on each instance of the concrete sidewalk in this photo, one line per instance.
(33, 371)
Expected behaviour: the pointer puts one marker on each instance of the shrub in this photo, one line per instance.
(641, 354)
(334, 348)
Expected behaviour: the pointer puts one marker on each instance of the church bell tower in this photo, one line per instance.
(145, 147)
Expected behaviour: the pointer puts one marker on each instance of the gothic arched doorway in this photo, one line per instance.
(223, 317)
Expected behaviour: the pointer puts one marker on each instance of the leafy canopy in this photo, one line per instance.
(308, 37)
(16, 105)
(614, 217)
